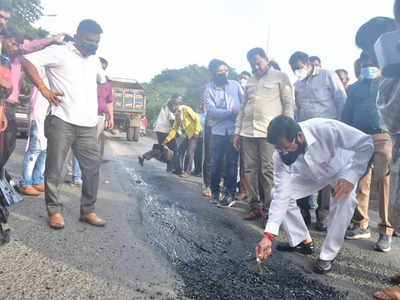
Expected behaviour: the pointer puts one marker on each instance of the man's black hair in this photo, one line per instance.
(256, 51)
(275, 65)
(282, 127)
(370, 31)
(315, 58)
(6, 5)
(12, 32)
(89, 26)
(171, 103)
(298, 56)
(342, 70)
(214, 64)
(175, 96)
(103, 61)
(28, 37)
(245, 73)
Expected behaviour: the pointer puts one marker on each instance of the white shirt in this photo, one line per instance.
(74, 75)
(164, 120)
(334, 151)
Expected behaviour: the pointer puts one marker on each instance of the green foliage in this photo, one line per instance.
(189, 81)
(26, 12)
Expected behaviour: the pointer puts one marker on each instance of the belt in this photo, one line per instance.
(374, 131)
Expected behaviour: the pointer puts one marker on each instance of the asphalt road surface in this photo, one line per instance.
(164, 241)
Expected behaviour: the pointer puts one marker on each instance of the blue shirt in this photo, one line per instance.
(360, 110)
(220, 102)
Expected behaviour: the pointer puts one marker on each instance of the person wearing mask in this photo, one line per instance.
(388, 104)
(223, 98)
(244, 78)
(163, 126)
(319, 93)
(73, 72)
(361, 112)
(310, 155)
(344, 77)
(189, 122)
(267, 95)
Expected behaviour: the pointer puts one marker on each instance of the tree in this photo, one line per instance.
(189, 81)
(24, 14)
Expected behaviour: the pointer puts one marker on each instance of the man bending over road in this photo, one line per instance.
(310, 155)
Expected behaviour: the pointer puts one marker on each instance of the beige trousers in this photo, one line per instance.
(258, 170)
(380, 162)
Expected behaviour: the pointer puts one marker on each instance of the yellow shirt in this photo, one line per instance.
(186, 119)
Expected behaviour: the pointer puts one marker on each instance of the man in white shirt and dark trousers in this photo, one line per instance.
(73, 71)
(310, 155)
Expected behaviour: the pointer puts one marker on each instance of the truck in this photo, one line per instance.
(129, 106)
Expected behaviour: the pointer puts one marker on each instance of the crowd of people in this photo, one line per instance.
(258, 138)
(277, 145)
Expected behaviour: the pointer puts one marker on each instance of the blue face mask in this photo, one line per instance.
(370, 72)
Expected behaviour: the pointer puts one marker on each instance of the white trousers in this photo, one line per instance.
(339, 218)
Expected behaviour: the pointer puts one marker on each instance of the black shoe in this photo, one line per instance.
(321, 227)
(302, 248)
(322, 266)
(226, 201)
(384, 243)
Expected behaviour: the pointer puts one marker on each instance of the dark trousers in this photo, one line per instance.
(305, 204)
(322, 212)
(207, 156)
(9, 137)
(171, 145)
(198, 156)
(222, 146)
(186, 152)
(61, 136)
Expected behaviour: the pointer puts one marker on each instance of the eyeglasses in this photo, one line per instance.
(286, 149)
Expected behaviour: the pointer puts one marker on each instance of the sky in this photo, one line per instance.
(143, 37)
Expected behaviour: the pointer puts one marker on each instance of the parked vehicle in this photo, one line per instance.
(129, 106)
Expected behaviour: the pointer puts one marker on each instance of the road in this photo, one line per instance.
(164, 241)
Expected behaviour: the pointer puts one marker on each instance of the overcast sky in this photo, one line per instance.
(143, 37)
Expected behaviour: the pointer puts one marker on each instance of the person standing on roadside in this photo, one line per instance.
(361, 112)
(319, 93)
(73, 72)
(268, 94)
(223, 98)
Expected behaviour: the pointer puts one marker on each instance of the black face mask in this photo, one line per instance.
(220, 79)
(88, 48)
(291, 157)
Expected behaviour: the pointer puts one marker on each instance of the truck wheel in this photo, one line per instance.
(130, 133)
(136, 134)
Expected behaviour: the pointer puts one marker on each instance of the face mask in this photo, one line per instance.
(243, 82)
(301, 74)
(291, 157)
(220, 79)
(370, 72)
(88, 48)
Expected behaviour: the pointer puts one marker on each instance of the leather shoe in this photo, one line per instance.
(56, 221)
(302, 248)
(39, 188)
(28, 191)
(253, 215)
(92, 219)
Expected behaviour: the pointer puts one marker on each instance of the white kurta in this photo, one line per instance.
(334, 151)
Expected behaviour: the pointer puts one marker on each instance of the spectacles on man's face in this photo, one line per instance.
(287, 148)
